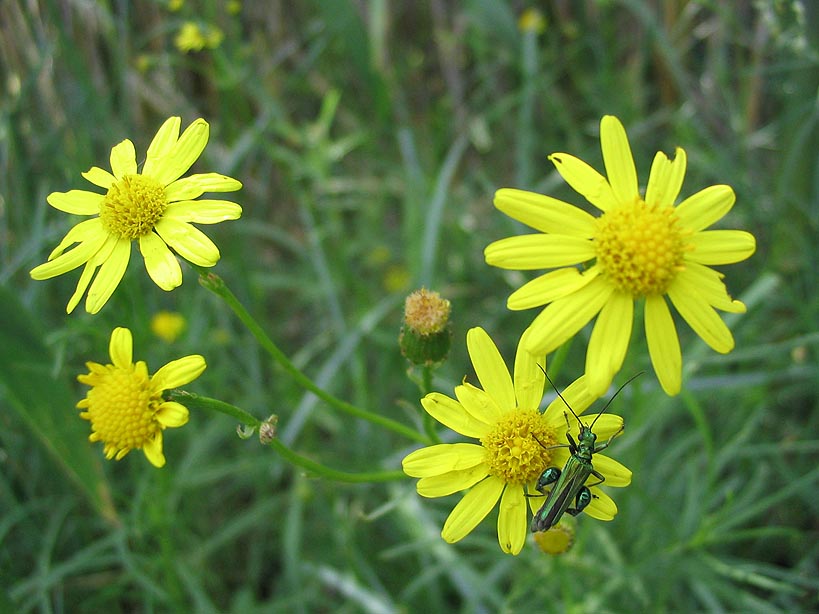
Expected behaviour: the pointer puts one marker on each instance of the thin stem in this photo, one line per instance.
(195, 401)
(215, 284)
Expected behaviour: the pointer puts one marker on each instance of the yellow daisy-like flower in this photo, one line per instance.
(507, 462)
(125, 404)
(641, 247)
(154, 207)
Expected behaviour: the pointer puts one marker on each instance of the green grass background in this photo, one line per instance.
(370, 137)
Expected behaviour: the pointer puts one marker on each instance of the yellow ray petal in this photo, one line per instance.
(78, 202)
(193, 186)
(451, 482)
(618, 159)
(561, 320)
(602, 507)
(490, 369)
(451, 414)
(609, 341)
(529, 378)
(584, 180)
(545, 213)
(153, 451)
(538, 251)
(617, 475)
(189, 242)
(699, 279)
(721, 246)
(705, 207)
(161, 264)
(576, 395)
(512, 525)
(473, 508)
(549, 287)
(172, 415)
(663, 344)
(203, 211)
(161, 145)
(183, 153)
(702, 318)
(178, 372)
(109, 276)
(121, 347)
(665, 179)
(479, 403)
(99, 177)
(123, 159)
(443, 458)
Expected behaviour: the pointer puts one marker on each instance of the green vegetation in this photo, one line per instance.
(370, 138)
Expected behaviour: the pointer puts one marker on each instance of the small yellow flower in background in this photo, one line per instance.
(641, 247)
(532, 20)
(559, 539)
(175, 5)
(155, 207)
(234, 7)
(507, 462)
(125, 404)
(194, 37)
(168, 325)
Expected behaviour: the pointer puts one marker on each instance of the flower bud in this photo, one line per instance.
(426, 334)
(559, 539)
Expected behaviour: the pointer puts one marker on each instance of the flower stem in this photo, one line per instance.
(215, 284)
(195, 401)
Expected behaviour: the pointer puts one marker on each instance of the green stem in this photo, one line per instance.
(195, 401)
(215, 284)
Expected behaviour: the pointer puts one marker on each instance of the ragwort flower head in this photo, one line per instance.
(508, 459)
(154, 207)
(125, 404)
(641, 247)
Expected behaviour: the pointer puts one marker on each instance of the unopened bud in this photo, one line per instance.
(426, 333)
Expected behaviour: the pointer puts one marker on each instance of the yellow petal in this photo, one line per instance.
(473, 508)
(153, 450)
(705, 207)
(451, 414)
(99, 177)
(91, 238)
(617, 475)
(443, 458)
(699, 279)
(82, 285)
(538, 251)
(203, 211)
(451, 482)
(602, 507)
(545, 213)
(78, 202)
(618, 159)
(609, 342)
(189, 242)
(702, 318)
(109, 276)
(490, 369)
(584, 180)
(479, 404)
(578, 397)
(161, 264)
(665, 179)
(193, 186)
(172, 415)
(663, 344)
(178, 372)
(161, 145)
(561, 320)
(121, 347)
(529, 378)
(721, 246)
(123, 159)
(549, 287)
(512, 525)
(182, 154)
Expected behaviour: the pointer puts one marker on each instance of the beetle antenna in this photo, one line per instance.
(560, 395)
(628, 381)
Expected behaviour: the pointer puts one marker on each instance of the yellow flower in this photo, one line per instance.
(193, 37)
(514, 448)
(154, 207)
(641, 247)
(125, 404)
(168, 325)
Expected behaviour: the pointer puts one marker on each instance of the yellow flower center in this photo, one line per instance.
(121, 407)
(640, 247)
(512, 449)
(133, 206)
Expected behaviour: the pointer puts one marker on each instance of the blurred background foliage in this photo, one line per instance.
(370, 137)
